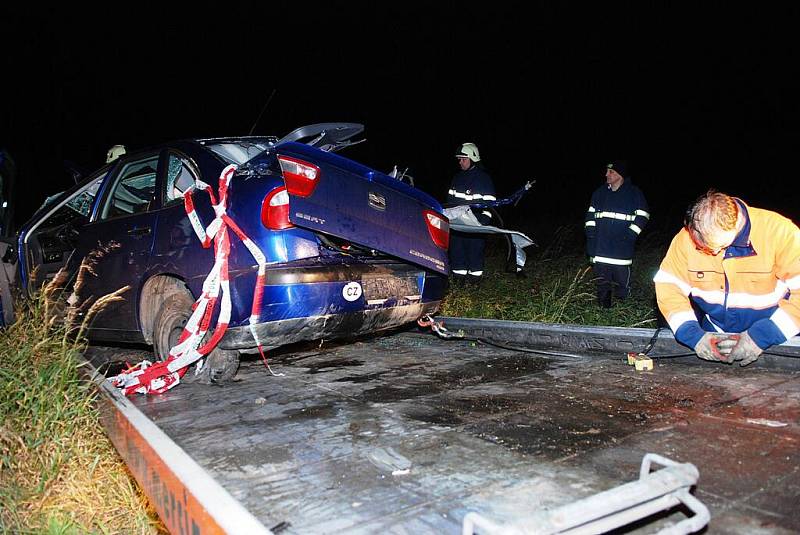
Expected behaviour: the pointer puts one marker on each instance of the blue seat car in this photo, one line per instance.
(350, 250)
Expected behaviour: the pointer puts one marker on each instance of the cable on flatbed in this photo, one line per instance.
(439, 328)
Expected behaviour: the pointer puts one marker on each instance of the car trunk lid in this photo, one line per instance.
(337, 196)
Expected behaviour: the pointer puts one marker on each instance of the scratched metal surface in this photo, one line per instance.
(406, 433)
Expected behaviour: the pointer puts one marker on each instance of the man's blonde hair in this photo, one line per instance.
(710, 214)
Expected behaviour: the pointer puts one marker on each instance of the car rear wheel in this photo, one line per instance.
(220, 365)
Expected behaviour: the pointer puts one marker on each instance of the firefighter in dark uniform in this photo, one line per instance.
(616, 216)
(472, 184)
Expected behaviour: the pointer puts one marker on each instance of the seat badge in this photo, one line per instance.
(352, 291)
(377, 201)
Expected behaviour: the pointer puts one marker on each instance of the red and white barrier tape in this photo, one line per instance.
(147, 377)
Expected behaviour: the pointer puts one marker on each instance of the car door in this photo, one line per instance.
(47, 241)
(117, 245)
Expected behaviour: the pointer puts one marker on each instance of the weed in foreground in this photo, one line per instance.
(59, 473)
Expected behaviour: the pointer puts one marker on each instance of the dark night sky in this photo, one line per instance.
(692, 98)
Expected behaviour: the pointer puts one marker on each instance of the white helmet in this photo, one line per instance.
(469, 150)
(115, 152)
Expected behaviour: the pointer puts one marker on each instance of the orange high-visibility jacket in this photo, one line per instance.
(753, 286)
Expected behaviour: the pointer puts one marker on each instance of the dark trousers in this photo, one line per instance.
(612, 280)
(466, 254)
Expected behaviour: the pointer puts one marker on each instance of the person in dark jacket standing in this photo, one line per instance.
(616, 216)
(472, 184)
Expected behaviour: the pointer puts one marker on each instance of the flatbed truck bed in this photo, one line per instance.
(408, 433)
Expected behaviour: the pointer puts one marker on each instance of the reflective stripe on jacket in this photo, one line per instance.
(613, 222)
(470, 187)
(753, 286)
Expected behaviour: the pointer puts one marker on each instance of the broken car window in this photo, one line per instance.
(133, 190)
(179, 178)
(239, 152)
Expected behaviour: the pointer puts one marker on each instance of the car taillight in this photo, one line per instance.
(301, 177)
(438, 227)
(275, 210)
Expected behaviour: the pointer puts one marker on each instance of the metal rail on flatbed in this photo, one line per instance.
(187, 499)
(409, 433)
(604, 340)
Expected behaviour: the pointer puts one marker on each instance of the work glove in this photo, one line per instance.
(746, 351)
(716, 346)
(725, 342)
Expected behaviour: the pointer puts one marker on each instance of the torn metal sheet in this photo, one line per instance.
(463, 220)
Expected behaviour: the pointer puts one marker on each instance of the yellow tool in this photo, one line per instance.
(640, 361)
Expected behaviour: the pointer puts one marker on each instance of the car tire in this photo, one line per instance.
(220, 365)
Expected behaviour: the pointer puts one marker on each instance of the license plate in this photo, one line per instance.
(389, 287)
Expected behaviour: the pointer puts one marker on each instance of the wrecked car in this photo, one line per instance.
(349, 250)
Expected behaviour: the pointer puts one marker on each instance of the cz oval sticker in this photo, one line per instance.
(351, 291)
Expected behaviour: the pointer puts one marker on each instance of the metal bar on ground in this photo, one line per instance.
(652, 493)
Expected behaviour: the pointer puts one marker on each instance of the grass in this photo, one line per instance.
(559, 287)
(59, 473)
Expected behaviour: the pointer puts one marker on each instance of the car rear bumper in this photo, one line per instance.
(287, 331)
(309, 289)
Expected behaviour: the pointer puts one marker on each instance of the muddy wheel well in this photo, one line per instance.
(155, 291)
